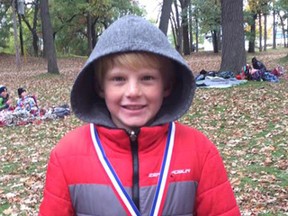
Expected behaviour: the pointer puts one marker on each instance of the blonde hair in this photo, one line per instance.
(135, 60)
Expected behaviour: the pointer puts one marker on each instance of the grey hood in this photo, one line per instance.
(131, 33)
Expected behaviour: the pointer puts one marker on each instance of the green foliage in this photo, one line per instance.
(209, 14)
(282, 5)
(248, 21)
(5, 25)
(70, 21)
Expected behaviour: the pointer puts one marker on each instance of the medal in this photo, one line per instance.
(162, 181)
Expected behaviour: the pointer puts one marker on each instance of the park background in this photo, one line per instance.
(247, 123)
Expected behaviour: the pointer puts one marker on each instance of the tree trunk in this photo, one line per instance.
(283, 28)
(251, 48)
(192, 47)
(33, 28)
(233, 44)
(265, 32)
(21, 35)
(214, 41)
(185, 26)
(287, 33)
(94, 35)
(197, 33)
(274, 28)
(179, 30)
(260, 32)
(219, 40)
(17, 55)
(165, 15)
(173, 27)
(49, 48)
(20, 11)
(89, 33)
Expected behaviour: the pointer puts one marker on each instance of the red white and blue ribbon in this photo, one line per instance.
(162, 181)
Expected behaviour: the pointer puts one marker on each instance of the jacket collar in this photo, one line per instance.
(147, 139)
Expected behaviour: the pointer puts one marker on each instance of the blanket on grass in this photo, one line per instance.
(23, 117)
(218, 82)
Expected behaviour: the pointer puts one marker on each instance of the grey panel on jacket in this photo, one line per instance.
(180, 199)
(92, 199)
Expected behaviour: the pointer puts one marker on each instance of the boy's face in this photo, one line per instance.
(23, 94)
(133, 97)
(4, 93)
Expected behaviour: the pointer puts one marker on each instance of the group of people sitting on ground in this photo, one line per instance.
(257, 71)
(25, 102)
(26, 109)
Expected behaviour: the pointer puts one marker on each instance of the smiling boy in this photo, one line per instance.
(134, 92)
(134, 158)
(5, 102)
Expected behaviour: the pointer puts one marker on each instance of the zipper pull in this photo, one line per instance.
(133, 135)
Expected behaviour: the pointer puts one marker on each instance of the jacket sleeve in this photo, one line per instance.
(214, 193)
(3, 105)
(56, 200)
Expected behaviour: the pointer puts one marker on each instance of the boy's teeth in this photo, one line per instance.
(133, 107)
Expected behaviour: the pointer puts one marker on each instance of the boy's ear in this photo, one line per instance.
(101, 93)
(168, 89)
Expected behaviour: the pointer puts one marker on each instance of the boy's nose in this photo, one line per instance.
(133, 89)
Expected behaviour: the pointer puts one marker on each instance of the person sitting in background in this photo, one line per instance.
(26, 102)
(5, 102)
(258, 65)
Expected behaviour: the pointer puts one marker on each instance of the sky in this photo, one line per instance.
(152, 7)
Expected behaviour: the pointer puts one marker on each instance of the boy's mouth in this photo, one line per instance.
(133, 107)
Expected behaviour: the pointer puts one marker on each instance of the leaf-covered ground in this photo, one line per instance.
(248, 123)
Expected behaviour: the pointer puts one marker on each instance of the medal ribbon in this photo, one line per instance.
(127, 201)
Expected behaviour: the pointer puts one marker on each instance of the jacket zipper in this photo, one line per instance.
(133, 135)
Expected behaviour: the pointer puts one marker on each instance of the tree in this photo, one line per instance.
(260, 30)
(33, 10)
(5, 25)
(181, 26)
(251, 35)
(251, 20)
(177, 28)
(78, 24)
(185, 27)
(18, 63)
(233, 45)
(281, 7)
(49, 48)
(274, 26)
(165, 15)
(209, 14)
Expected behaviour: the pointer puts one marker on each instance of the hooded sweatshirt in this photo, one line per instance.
(131, 34)
(3, 100)
(164, 168)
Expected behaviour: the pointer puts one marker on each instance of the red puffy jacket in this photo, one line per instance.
(77, 184)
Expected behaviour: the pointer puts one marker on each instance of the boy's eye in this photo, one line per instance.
(148, 77)
(118, 78)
